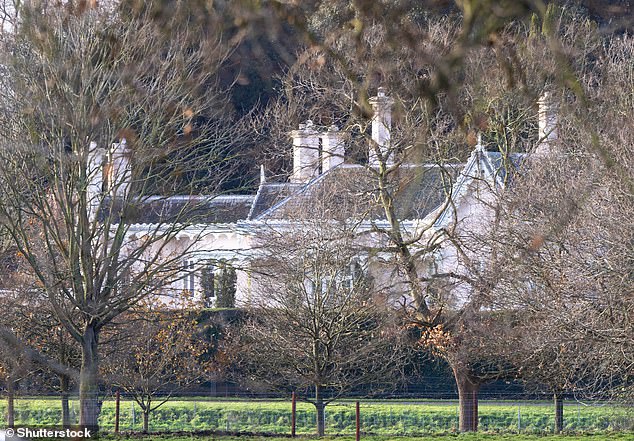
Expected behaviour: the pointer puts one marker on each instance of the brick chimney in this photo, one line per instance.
(305, 153)
(381, 126)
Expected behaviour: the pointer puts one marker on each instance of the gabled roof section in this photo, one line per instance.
(350, 192)
(490, 168)
(501, 167)
(269, 194)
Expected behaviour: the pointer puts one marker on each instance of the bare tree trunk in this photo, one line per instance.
(89, 381)
(146, 420)
(559, 412)
(468, 401)
(10, 402)
(319, 408)
(63, 386)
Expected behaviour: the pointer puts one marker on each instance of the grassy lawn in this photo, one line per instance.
(461, 437)
(378, 418)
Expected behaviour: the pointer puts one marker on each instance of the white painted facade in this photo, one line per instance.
(317, 153)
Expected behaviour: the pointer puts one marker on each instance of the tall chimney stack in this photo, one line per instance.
(332, 149)
(95, 175)
(381, 126)
(305, 153)
(548, 122)
(121, 171)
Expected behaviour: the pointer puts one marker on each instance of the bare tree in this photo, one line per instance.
(44, 333)
(31, 320)
(80, 80)
(317, 324)
(472, 87)
(403, 182)
(156, 353)
(14, 367)
(564, 252)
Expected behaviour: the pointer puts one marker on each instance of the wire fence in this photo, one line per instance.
(388, 417)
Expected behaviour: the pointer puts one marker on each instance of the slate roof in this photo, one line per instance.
(269, 194)
(188, 209)
(350, 191)
(498, 165)
(345, 192)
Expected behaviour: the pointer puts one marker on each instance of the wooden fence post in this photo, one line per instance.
(358, 422)
(293, 414)
(117, 406)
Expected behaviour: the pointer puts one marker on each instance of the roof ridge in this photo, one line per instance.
(255, 199)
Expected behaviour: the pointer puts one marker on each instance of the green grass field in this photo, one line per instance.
(461, 437)
(384, 418)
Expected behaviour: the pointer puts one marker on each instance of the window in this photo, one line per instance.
(354, 275)
(189, 281)
(218, 285)
(345, 279)
(208, 285)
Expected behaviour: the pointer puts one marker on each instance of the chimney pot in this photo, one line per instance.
(262, 174)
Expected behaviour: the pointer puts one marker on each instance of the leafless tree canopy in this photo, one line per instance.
(81, 86)
(318, 325)
(153, 353)
(554, 229)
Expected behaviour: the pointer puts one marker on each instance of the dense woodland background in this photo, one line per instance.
(269, 43)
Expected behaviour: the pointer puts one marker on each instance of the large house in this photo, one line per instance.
(432, 201)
